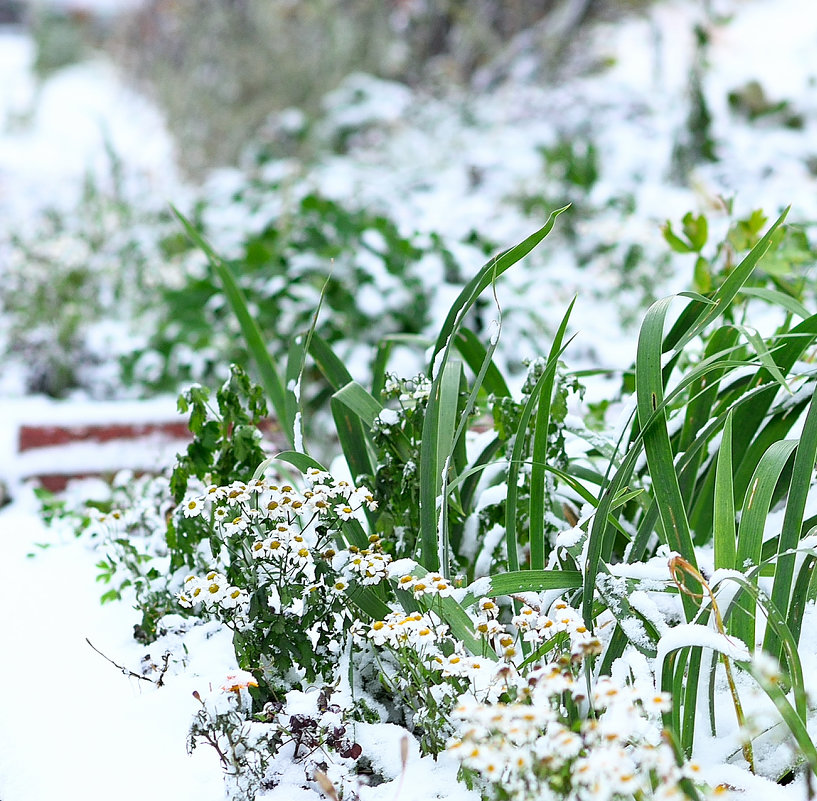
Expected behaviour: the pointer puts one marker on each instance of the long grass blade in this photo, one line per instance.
(485, 277)
(702, 396)
(650, 396)
(435, 448)
(777, 298)
(804, 461)
(724, 513)
(270, 379)
(752, 523)
(536, 516)
(511, 504)
(519, 581)
(333, 369)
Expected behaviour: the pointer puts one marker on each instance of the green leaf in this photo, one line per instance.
(673, 240)
(358, 400)
(485, 277)
(517, 581)
(333, 369)
(724, 514)
(799, 485)
(511, 510)
(352, 434)
(696, 230)
(365, 599)
(702, 275)
(436, 447)
(752, 523)
(297, 459)
(540, 446)
(660, 459)
(763, 354)
(249, 328)
(777, 298)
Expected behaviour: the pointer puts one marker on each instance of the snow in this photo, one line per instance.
(71, 724)
(693, 634)
(388, 417)
(55, 132)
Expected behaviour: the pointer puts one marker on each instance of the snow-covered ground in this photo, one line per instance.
(53, 133)
(72, 726)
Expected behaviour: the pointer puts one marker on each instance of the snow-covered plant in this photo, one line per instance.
(658, 547)
(226, 446)
(126, 521)
(280, 256)
(74, 281)
(309, 728)
(244, 746)
(280, 576)
(530, 749)
(526, 727)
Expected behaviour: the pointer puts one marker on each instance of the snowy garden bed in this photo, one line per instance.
(453, 571)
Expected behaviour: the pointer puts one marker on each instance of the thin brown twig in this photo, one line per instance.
(127, 671)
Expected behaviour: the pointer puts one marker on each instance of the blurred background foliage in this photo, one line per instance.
(220, 69)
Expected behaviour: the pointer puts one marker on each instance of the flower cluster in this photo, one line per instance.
(427, 587)
(528, 749)
(278, 525)
(418, 631)
(214, 590)
(536, 627)
(282, 565)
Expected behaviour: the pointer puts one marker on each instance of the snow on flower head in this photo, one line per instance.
(239, 680)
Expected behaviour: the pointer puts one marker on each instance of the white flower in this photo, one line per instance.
(193, 507)
(406, 582)
(488, 607)
(234, 597)
(363, 497)
(488, 627)
(380, 632)
(191, 593)
(214, 493)
(214, 590)
(238, 492)
(656, 703)
(316, 476)
(344, 511)
(236, 525)
(185, 600)
(257, 485)
(301, 558)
